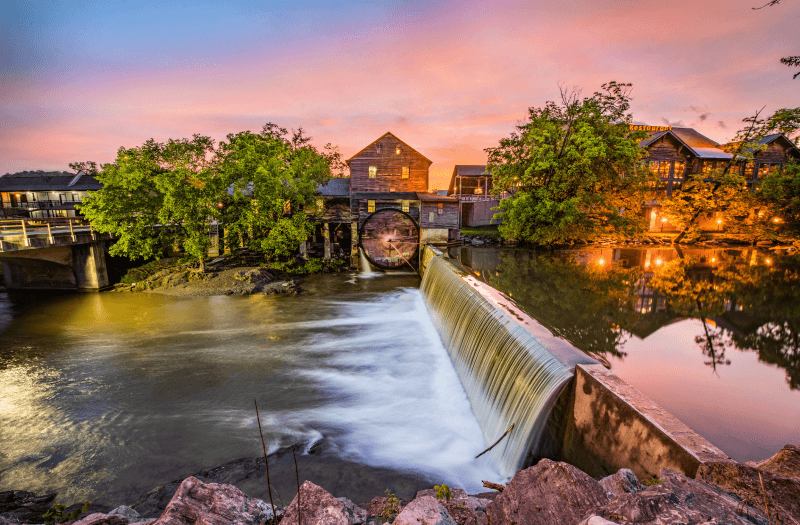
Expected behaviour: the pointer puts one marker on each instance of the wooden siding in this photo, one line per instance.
(665, 148)
(413, 208)
(335, 209)
(773, 154)
(390, 166)
(448, 219)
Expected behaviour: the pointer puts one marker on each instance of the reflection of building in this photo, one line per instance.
(388, 174)
(39, 194)
(472, 186)
(676, 153)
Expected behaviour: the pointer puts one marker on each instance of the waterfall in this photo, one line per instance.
(364, 267)
(509, 375)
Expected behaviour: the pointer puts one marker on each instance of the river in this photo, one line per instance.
(105, 396)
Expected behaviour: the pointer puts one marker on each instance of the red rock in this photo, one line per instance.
(317, 507)
(198, 503)
(547, 493)
(99, 518)
(786, 462)
(425, 510)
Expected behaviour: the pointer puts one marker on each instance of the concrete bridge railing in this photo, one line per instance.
(53, 254)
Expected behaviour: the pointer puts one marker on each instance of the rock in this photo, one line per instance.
(199, 503)
(464, 509)
(24, 507)
(359, 514)
(597, 520)
(147, 521)
(424, 511)
(786, 462)
(624, 481)
(782, 492)
(678, 500)
(549, 492)
(126, 512)
(99, 518)
(318, 507)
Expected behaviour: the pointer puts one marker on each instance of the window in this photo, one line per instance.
(398, 149)
(392, 189)
(763, 170)
(287, 207)
(379, 148)
(406, 171)
(370, 206)
(708, 167)
(431, 216)
(320, 205)
(440, 210)
(405, 206)
(749, 170)
(680, 168)
(373, 172)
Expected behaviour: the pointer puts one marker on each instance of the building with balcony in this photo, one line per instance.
(39, 194)
(471, 184)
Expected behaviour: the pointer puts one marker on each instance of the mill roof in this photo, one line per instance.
(338, 187)
(389, 133)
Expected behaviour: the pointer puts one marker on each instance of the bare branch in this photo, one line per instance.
(768, 4)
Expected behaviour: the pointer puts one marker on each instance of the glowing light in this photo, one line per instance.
(719, 221)
(663, 220)
(658, 261)
(653, 215)
(777, 219)
(601, 262)
(221, 205)
(713, 259)
(769, 261)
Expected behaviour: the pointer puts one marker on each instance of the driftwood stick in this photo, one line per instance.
(764, 493)
(297, 477)
(494, 486)
(496, 442)
(266, 463)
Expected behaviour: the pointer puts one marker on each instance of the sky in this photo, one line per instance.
(81, 78)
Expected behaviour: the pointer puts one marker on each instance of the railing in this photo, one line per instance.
(476, 197)
(26, 228)
(36, 205)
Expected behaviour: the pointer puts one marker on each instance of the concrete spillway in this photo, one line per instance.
(515, 373)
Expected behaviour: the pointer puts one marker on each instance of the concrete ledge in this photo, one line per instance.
(622, 428)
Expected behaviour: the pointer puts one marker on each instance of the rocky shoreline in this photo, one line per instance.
(550, 492)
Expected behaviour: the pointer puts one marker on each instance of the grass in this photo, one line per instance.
(483, 231)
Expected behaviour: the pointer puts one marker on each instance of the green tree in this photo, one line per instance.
(272, 178)
(155, 196)
(572, 169)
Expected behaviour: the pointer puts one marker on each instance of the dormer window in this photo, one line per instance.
(398, 149)
(373, 172)
(379, 147)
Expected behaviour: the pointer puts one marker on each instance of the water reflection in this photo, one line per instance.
(744, 299)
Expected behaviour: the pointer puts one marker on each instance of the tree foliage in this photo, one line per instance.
(162, 194)
(572, 169)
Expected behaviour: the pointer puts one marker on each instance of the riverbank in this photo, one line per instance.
(765, 492)
(241, 273)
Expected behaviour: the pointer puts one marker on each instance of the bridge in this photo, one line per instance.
(53, 254)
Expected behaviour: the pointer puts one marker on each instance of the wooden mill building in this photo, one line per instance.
(388, 174)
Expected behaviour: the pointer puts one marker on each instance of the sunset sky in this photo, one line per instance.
(79, 79)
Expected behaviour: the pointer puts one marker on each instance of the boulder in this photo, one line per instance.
(24, 507)
(623, 482)
(199, 503)
(549, 492)
(782, 492)
(597, 520)
(464, 509)
(317, 507)
(424, 511)
(126, 512)
(786, 462)
(677, 499)
(359, 514)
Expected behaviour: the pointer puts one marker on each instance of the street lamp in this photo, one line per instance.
(719, 224)
(662, 224)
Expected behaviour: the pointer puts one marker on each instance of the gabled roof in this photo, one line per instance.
(389, 133)
(698, 144)
(435, 197)
(769, 139)
(337, 187)
(470, 170)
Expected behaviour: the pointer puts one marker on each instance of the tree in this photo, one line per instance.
(793, 61)
(155, 196)
(162, 194)
(572, 169)
(269, 176)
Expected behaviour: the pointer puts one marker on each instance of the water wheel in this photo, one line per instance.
(389, 238)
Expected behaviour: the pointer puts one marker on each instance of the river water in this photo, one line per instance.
(105, 396)
(711, 335)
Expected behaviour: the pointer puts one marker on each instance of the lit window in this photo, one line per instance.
(441, 209)
(406, 171)
(370, 206)
(287, 207)
(399, 149)
(708, 167)
(405, 206)
(680, 168)
(379, 148)
(373, 172)
(431, 216)
(392, 189)
(320, 205)
(749, 170)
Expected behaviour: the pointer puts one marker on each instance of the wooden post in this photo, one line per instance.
(354, 245)
(326, 235)
(49, 233)
(304, 250)
(72, 232)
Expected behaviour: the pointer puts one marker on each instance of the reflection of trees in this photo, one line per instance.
(743, 303)
(586, 305)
